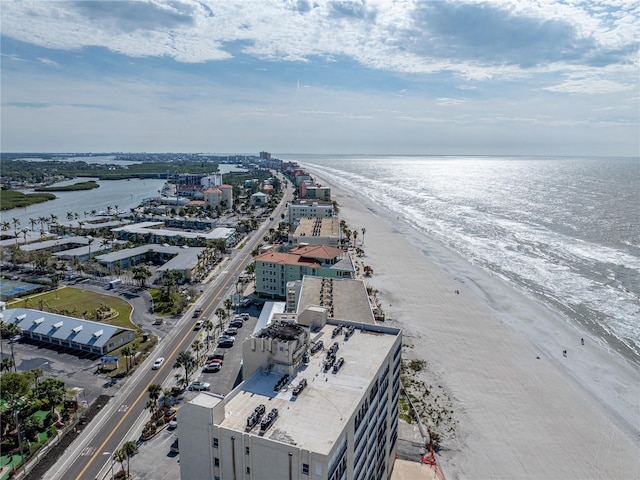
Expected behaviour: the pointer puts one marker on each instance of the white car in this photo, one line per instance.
(158, 363)
(199, 386)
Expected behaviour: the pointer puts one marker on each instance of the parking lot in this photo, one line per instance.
(154, 460)
(75, 369)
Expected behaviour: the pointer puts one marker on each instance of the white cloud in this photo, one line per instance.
(391, 73)
(590, 85)
(377, 34)
(48, 61)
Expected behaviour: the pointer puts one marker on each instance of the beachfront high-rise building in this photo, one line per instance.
(312, 191)
(273, 270)
(319, 401)
(309, 209)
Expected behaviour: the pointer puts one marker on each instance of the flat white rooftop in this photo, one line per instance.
(316, 417)
(207, 400)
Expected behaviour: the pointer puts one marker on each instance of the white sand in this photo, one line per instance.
(519, 416)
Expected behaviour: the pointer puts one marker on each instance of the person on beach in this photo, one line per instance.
(582, 341)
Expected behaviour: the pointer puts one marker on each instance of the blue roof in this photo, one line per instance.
(84, 332)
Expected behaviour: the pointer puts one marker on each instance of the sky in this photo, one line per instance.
(507, 77)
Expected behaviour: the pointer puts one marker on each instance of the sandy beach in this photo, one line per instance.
(523, 409)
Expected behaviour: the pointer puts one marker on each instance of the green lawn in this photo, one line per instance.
(74, 302)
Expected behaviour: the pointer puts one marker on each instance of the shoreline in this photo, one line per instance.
(498, 355)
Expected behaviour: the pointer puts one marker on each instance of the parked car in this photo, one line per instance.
(199, 386)
(236, 324)
(225, 342)
(173, 424)
(245, 316)
(230, 331)
(246, 302)
(212, 367)
(170, 414)
(198, 325)
(215, 357)
(15, 338)
(158, 363)
(158, 321)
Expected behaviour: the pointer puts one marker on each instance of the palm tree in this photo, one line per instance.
(120, 456)
(24, 232)
(222, 315)
(197, 347)
(355, 236)
(6, 364)
(90, 240)
(154, 394)
(33, 222)
(5, 226)
(44, 221)
(141, 273)
(208, 326)
(69, 216)
(51, 392)
(228, 304)
(126, 352)
(16, 224)
(129, 448)
(185, 360)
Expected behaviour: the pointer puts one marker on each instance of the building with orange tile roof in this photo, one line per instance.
(274, 269)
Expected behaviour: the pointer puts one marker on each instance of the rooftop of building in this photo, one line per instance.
(306, 202)
(309, 254)
(314, 418)
(343, 298)
(318, 227)
(155, 228)
(83, 332)
(188, 256)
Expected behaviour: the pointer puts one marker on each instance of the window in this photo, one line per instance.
(246, 450)
(305, 469)
(215, 442)
(216, 461)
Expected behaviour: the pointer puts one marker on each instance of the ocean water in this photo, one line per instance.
(566, 231)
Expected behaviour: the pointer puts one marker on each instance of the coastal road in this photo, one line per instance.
(87, 456)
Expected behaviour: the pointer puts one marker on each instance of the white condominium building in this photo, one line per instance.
(310, 209)
(319, 402)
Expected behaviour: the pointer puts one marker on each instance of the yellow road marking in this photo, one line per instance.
(98, 450)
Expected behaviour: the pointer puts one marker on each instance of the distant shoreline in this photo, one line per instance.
(11, 199)
(70, 188)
